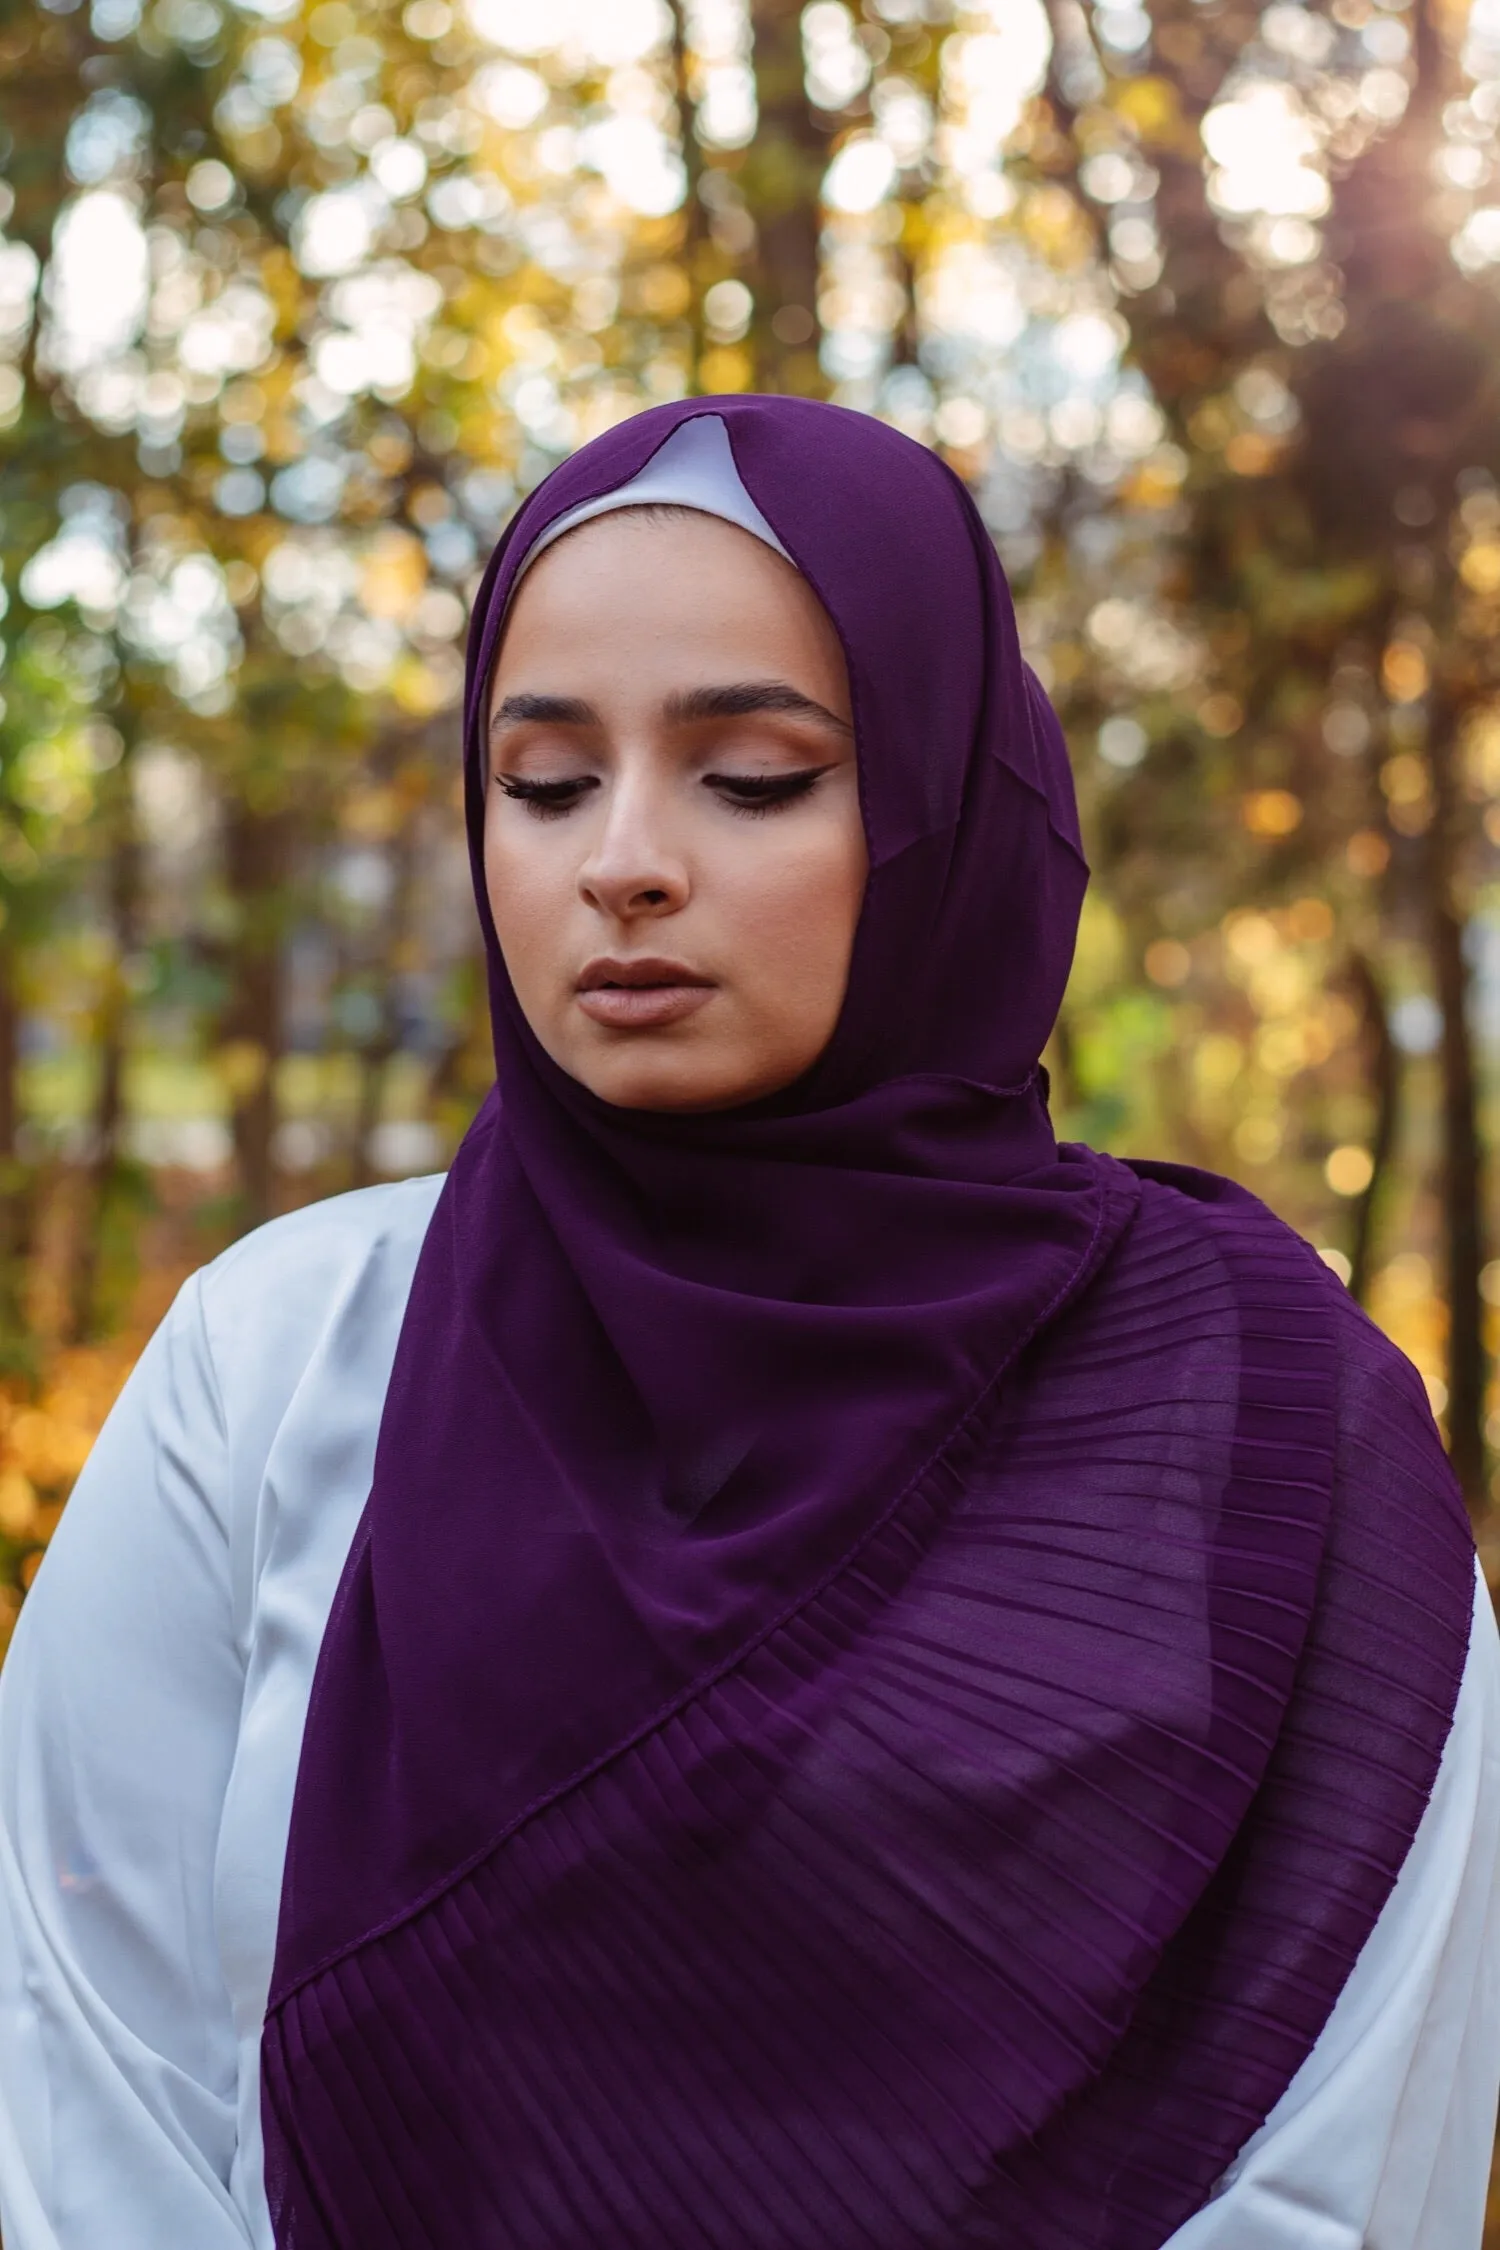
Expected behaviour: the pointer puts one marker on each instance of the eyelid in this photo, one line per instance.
(801, 777)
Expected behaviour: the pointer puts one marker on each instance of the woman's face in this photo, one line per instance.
(673, 847)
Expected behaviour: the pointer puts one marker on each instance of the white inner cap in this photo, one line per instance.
(693, 469)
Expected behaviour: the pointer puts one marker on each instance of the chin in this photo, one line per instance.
(664, 1083)
(663, 1091)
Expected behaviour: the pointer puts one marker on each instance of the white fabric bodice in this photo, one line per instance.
(151, 1715)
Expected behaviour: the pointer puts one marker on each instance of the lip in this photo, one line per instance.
(641, 995)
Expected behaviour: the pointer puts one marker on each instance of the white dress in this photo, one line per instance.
(151, 1714)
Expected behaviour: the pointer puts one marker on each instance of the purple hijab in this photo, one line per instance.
(889, 1666)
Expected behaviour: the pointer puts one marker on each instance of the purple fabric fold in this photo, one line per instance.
(889, 1666)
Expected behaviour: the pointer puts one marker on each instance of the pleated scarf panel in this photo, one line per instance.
(995, 1894)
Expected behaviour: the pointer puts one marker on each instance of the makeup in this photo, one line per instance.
(643, 995)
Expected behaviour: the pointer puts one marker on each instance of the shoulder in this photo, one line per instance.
(1336, 1458)
(1305, 1338)
(1274, 1265)
(341, 1267)
(318, 1249)
(1228, 1221)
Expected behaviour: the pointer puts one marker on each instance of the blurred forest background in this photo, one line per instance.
(298, 298)
(297, 301)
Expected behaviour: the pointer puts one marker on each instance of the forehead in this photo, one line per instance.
(610, 548)
(640, 588)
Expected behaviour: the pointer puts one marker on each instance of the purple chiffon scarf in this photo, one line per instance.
(889, 1666)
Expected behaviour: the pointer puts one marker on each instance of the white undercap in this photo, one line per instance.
(693, 469)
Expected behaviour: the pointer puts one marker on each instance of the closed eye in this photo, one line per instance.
(757, 793)
(750, 793)
(547, 799)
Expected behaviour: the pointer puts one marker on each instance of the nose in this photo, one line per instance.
(631, 871)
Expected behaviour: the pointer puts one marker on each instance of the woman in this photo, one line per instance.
(778, 1660)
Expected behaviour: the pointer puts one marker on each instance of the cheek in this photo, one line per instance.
(790, 915)
(524, 890)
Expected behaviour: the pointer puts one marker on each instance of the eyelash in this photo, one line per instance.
(758, 794)
(544, 800)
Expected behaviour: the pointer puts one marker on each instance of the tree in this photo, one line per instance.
(1333, 397)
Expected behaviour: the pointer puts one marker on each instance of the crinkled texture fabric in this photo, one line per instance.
(889, 1667)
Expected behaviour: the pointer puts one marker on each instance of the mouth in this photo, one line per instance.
(641, 995)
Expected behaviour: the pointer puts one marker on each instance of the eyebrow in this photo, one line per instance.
(744, 698)
(543, 710)
(739, 699)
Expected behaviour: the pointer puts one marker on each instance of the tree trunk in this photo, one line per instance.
(1062, 1070)
(694, 229)
(1383, 1065)
(251, 1028)
(906, 341)
(377, 1052)
(1462, 1185)
(469, 1037)
(103, 1177)
(782, 176)
(17, 1179)
(10, 1051)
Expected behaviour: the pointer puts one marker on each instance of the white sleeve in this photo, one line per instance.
(1383, 2140)
(119, 1711)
